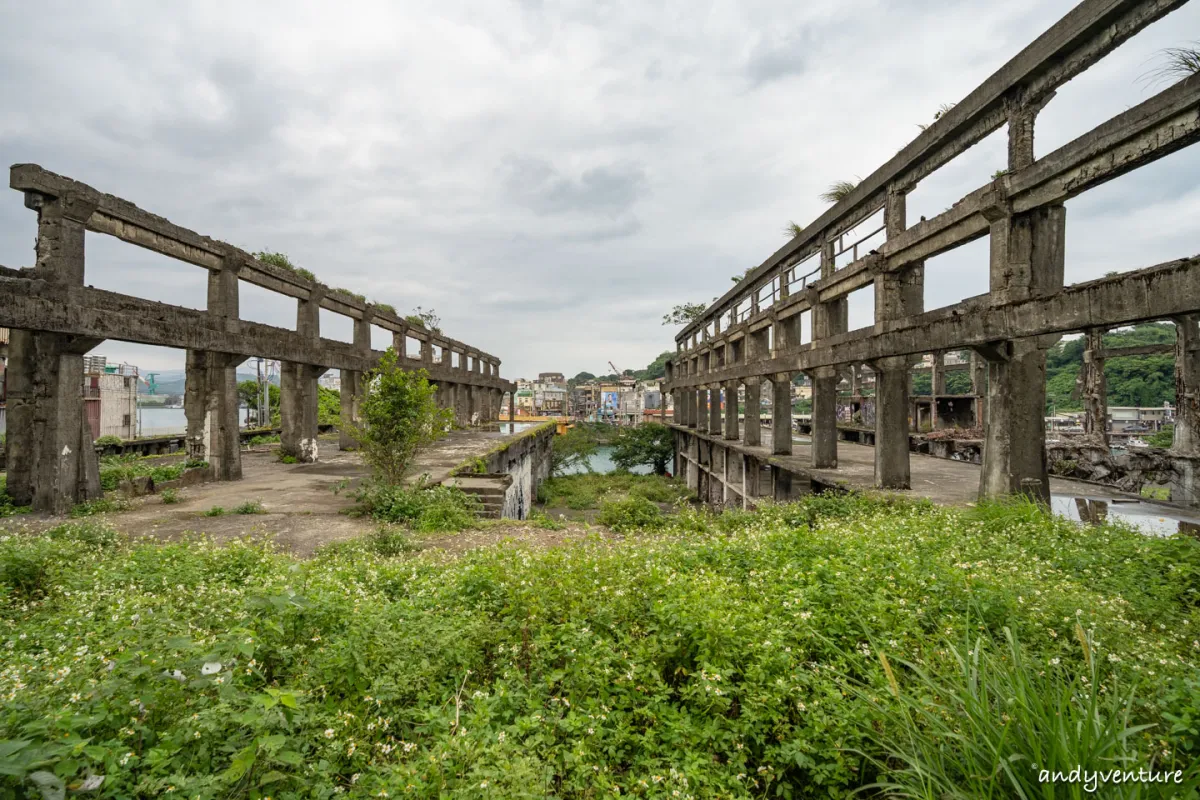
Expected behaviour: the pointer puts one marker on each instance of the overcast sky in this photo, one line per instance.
(550, 177)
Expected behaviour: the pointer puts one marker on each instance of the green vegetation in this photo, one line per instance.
(388, 307)
(1176, 63)
(650, 444)
(422, 508)
(572, 450)
(250, 507)
(115, 469)
(633, 513)
(101, 505)
(399, 418)
(684, 313)
(272, 438)
(1164, 437)
(283, 262)
(792, 230)
(362, 298)
(7, 509)
(839, 190)
(425, 319)
(108, 440)
(1132, 380)
(287, 458)
(801, 651)
(215, 511)
(581, 492)
(169, 496)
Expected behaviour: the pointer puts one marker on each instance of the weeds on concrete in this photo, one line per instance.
(101, 505)
(215, 511)
(250, 507)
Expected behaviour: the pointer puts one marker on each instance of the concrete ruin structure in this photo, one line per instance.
(56, 318)
(755, 335)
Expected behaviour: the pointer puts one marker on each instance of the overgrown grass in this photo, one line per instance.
(169, 496)
(215, 511)
(422, 508)
(581, 492)
(101, 505)
(115, 469)
(733, 655)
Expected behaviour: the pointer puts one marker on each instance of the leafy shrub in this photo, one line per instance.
(649, 444)
(24, 571)
(108, 440)
(422, 508)
(250, 507)
(631, 514)
(254, 441)
(101, 505)
(286, 458)
(389, 541)
(215, 511)
(540, 519)
(117, 468)
(92, 534)
(169, 496)
(589, 491)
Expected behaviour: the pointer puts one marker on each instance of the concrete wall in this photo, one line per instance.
(525, 460)
(118, 404)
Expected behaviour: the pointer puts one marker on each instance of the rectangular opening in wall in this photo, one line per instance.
(859, 240)
(804, 273)
(116, 266)
(968, 171)
(381, 338)
(767, 294)
(455, 359)
(257, 304)
(1128, 76)
(438, 352)
(470, 363)
(412, 347)
(958, 274)
(806, 326)
(1143, 218)
(336, 326)
(132, 390)
(861, 308)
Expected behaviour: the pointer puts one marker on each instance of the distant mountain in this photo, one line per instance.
(173, 381)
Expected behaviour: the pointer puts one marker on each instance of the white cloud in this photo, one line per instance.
(551, 177)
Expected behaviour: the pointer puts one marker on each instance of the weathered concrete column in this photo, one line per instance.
(299, 393)
(1014, 447)
(52, 463)
(353, 385)
(781, 413)
(824, 417)
(891, 422)
(714, 409)
(210, 404)
(702, 409)
(1187, 386)
(752, 428)
(512, 406)
(937, 387)
(731, 411)
(979, 372)
(1093, 388)
(677, 403)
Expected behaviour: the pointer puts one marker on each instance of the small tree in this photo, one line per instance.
(650, 444)
(425, 319)
(684, 313)
(572, 451)
(399, 417)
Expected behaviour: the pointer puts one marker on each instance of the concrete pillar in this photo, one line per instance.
(891, 422)
(1094, 389)
(298, 388)
(298, 410)
(714, 409)
(353, 385)
(702, 409)
(824, 417)
(210, 404)
(731, 411)
(979, 372)
(752, 427)
(1014, 448)
(677, 402)
(1187, 386)
(52, 463)
(512, 405)
(781, 414)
